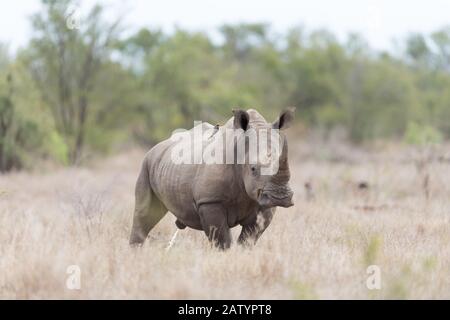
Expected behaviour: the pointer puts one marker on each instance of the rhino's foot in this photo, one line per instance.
(136, 244)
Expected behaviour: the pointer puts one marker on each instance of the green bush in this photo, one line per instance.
(422, 135)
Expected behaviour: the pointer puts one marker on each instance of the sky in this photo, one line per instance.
(380, 22)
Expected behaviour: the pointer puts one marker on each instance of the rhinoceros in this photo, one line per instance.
(215, 197)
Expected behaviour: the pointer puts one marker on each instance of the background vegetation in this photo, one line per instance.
(93, 89)
(73, 92)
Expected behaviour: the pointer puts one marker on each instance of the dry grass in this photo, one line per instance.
(320, 248)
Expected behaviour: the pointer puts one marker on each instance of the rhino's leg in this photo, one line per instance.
(215, 224)
(254, 228)
(148, 209)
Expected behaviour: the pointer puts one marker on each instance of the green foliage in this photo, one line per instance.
(422, 135)
(56, 147)
(399, 287)
(91, 89)
(410, 278)
(372, 251)
(302, 291)
(65, 62)
(17, 134)
(27, 132)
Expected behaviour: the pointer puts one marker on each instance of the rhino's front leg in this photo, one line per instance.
(255, 226)
(215, 224)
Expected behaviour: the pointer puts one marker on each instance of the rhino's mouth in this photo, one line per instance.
(280, 197)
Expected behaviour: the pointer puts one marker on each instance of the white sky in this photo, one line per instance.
(379, 21)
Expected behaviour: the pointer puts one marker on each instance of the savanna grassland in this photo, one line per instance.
(354, 208)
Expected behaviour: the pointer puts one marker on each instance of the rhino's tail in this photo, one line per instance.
(148, 211)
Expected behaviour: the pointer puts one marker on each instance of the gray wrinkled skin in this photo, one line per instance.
(213, 197)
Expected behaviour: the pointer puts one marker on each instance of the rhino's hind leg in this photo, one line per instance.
(148, 209)
(253, 229)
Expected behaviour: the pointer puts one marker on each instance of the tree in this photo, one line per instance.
(21, 133)
(441, 39)
(241, 39)
(417, 49)
(65, 61)
(8, 158)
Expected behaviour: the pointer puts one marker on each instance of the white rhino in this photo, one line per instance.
(214, 197)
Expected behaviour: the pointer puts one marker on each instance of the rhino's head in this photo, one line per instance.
(266, 177)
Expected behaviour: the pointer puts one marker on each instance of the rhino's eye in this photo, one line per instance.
(254, 170)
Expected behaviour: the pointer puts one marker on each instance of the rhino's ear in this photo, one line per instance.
(285, 119)
(241, 119)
